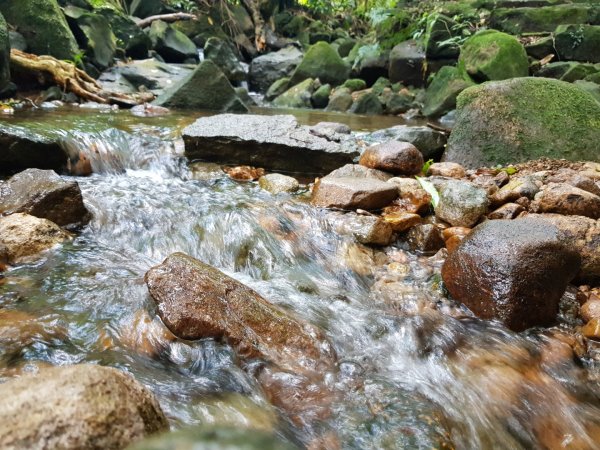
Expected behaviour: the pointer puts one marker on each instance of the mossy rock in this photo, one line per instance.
(220, 52)
(298, 96)
(441, 94)
(344, 46)
(578, 43)
(43, 25)
(380, 85)
(172, 45)
(568, 71)
(594, 78)
(207, 88)
(367, 104)
(130, 37)
(4, 54)
(277, 88)
(589, 87)
(320, 97)
(355, 84)
(517, 120)
(491, 55)
(340, 101)
(398, 103)
(213, 437)
(527, 20)
(323, 62)
(145, 8)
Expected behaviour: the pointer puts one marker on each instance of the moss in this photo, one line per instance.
(355, 84)
(578, 43)
(524, 118)
(323, 62)
(492, 55)
(441, 94)
(320, 98)
(520, 20)
(43, 25)
(298, 96)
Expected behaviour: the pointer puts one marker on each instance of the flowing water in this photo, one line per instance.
(414, 371)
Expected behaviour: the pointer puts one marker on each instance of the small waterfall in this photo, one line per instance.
(200, 54)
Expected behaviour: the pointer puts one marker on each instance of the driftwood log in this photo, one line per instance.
(71, 79)
(165, 18)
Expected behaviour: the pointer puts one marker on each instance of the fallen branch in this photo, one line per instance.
(165, 18)
(71, 79)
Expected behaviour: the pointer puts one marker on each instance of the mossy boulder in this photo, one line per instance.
(171, 44)
(492, 55)
(130, 37)
(340, 101)
(4, 54)
(441, 94)
(320, 97)
(277, 88)
(578, 43)
(569, 71)
(94, 34)
(355, 84)
(520, 119)
(298, 96)
(546, 18)
(367, 104)
(323, 62)
(43, 25)
(145, 8)
(207, 88)
(220, 52)
(590, 87)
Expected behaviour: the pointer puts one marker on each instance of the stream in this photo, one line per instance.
(415, 370)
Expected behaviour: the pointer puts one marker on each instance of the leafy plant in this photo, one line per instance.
(510, 170)
(426, 166)
(431, 190)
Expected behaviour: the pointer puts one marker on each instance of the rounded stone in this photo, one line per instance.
(399, 158)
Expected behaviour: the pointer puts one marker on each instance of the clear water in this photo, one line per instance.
(414, 371)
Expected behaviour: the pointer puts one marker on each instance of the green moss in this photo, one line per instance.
(320, 98)
(521, 20)
(441, 94)
(297, 96)
(323, 62)
(524, 118)
(492, 55)
(355, 84)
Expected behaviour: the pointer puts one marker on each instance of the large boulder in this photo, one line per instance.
(517, 120)
(276, 143)
(298, 96)
(578, 43)
(4, 54)
(491, 55)
(129, 35)
(42, 193)
(205, 88)
(145, 8)
(441, 94)
(371, 63)
(407, 64)
(22, 148)
(323, 62)
(94, 34)
(267, 69)
(547, 18)
(24, 237)
(43, 25)
(514, 271)
(171, 44)
(154, 75)
(79, 407)
(438, 40)
(198, 301)
(220, 52)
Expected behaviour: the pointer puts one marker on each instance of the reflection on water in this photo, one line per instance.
(414, 370)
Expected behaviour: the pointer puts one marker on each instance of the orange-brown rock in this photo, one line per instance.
(244, 173)
(413, 198)
(591, 330)
(399, 158)
(353, 193)
(446, 169)
(198, 301)
(590, 309)
(566, 199)
(460, 232)
(506, 211)
(145, 335)
(400, 220)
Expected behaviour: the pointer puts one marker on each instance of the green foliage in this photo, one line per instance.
(431, 190)
(77, 59)
(426, 166)
(183, 5)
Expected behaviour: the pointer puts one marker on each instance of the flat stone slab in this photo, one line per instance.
(276, 143)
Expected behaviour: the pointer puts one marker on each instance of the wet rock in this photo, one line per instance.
(517, 187)
(514, 271)
(171, 44)
(583, 235)
(220, 52)
(441, 94)
(277, 183)
(461, 203)
(407, 64)
(145, 335)
(43, 25)
(197, 301)
(413, 198)
(591, 330)
(24, 237)
(323, 62)
(205, 88)
(43, 194)
(363, 260)
(506, 211)
(367, 104)
(244, 173)
(429, 142)
(453, 236)
(425, 238)
(353, 193)
(320, 98)
(154, 75)
(209, 437)
(267, 69)
(19, 330)
(276, 143)
(566, 199)
(506, 122)
(77, 407)
(298, 96)
(401, 221)
(340, 101)
(368, 230)
(358, 171)
(446, 169)
(277, 88)
(590, 309)
(399, 158)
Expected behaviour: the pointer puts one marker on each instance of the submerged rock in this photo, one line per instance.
(198, 301)
(23, 237)
(77, 407)
(42, 193)
(276, 143)
(514, 271)
(504, 122)
(277, 183)
(368, 230)
(353, 193)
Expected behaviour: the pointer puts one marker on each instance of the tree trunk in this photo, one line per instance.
(260, 38)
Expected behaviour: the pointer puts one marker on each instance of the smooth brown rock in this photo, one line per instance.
(591, 330)
(353, 193)
(565, 199)
(517, 187)
(358, 171)
(277, 183)
(461, 232)
(413, 198)
(514, 271)
(590, 309)
(425, 238)
(244, 173)
(506, 211)
(23, 237)
(43, 194)
(401, 221)
(198, 301)
(446, 169)
(399, 158)
(79, 407)
(583, 235)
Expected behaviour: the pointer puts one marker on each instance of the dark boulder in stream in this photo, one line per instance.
(197, 301)
(42, 193)
(276, 143)
(79, 407)
(514, 271)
